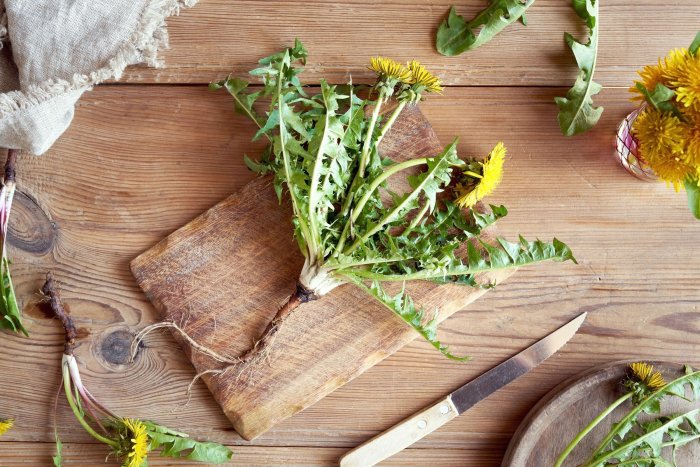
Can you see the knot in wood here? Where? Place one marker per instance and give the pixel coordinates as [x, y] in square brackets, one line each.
[30, 229]
[115, 347]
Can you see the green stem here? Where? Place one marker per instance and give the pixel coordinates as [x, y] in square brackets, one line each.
[685, 441]
[420, 275]
[76, 411]
[389, 123]
[429, 274]
[305, 233]
[389, 217]
[245, 109]
[562, 457]
[633, 414]
[342, 267]
[349, 197]
[362, 164]
[416, 220]
[341, 243]
[326, 179]
[313, 189]
[370, 132]
[357, 210]
[658, 461]
[626, 447]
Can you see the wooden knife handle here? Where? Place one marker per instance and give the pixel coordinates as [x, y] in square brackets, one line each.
[401, 436]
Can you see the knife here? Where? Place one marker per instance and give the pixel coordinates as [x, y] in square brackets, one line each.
[417, 426]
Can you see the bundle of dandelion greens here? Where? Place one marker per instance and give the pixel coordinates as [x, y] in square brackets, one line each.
[638, 443]
[323, 154]
[129, 439]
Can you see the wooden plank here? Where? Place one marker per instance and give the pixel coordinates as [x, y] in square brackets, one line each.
[138, 162]
[223, 276]
[219, 37]
[84, 454]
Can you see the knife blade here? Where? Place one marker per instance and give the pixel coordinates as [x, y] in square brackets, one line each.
[431, 418]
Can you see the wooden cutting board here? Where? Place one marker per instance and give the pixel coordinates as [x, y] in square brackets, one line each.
[223, 276]
[561, 414]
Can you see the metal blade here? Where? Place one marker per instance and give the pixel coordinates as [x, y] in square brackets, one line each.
[513, 368]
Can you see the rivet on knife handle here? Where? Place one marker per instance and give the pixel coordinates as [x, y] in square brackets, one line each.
[401, 436]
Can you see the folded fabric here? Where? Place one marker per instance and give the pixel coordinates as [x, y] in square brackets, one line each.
[54, 50]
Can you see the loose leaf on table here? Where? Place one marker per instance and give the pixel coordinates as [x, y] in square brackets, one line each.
[58, 458]
[456, 35]
[576, 111]
[179, 445]
[10, 316]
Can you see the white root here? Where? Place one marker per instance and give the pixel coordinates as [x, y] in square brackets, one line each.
[194, 344]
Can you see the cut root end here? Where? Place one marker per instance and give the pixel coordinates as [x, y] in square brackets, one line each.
[50, 292]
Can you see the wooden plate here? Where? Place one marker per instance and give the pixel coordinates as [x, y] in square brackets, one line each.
[562, 413]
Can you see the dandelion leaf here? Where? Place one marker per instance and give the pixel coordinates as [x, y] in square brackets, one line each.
[10, 315]
[577, 113]
[456, 35]
[179, 445]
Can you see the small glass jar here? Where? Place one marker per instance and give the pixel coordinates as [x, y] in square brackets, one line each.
[627, 149]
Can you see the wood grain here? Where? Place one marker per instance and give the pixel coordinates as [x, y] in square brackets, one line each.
[89, 455]
[140, 161]
[220, 37]
[560, 415]
[223, 276]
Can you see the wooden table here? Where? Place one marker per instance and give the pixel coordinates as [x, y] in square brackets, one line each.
[147, 154]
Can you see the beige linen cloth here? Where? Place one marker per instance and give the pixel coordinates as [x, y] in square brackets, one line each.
[54, 50]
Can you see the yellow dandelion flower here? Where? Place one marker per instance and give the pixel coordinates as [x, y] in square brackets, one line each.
[688, 88]
[691, 129]
[387, 68]
[650, 75]
[662, 144]
[659, 134]
[5, 425]
[673, 170]
[488, 180]
[683, 73]
[423, 78]
[642, 381]
[674, 64]
[138, 448]
[644, 373]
